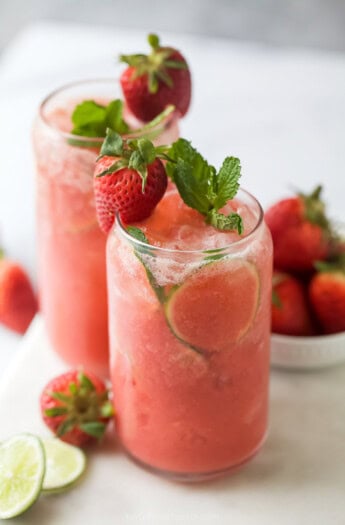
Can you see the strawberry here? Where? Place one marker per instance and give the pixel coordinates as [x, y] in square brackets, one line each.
[130, 180]
[290, 310]
[327, 295]
[76, 407]
[18, 303]
[300, 230]
[151, 82]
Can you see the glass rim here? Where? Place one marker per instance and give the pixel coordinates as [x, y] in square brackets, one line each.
[214, 251]
[95, 140]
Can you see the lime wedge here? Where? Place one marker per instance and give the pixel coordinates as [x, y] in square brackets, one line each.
[22, 467]
[64, 465]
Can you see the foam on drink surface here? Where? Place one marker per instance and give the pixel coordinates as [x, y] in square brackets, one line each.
[175, 226]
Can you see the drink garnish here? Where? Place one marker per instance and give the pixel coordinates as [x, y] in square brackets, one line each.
[202, 187]
[153, 81]
[92, 120]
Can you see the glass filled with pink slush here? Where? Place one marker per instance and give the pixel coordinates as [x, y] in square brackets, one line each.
[71, 247]
[189, 317]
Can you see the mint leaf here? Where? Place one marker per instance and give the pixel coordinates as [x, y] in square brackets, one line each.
[191, 174]
[231, 222]
[227, 181]
[91, 119]
[88, 112]
[201, 187]
[114, 120]
[139, 235]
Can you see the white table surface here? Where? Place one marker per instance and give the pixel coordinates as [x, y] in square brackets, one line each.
[297, 479]
[283, 113]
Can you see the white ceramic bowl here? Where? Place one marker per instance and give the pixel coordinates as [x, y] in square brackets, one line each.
[307, 352]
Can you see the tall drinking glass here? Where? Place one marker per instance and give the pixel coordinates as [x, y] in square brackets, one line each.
[71, 247]
[189, 320]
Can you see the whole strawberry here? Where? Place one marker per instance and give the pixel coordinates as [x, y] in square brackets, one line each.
[290, 310]
[130, 180]
[18, 303]
[327, 295]
[300, 230]
[76, 407]
[151, 82]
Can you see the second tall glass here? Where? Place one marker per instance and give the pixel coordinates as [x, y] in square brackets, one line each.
[71, 247]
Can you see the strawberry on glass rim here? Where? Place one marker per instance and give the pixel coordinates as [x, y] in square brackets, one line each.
[151, 82]
[130, 179]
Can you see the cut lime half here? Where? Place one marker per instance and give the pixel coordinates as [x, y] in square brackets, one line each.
[22, 467]
[64, 465]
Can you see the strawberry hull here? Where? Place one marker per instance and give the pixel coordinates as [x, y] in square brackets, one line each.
[71, 246]
[190, 412]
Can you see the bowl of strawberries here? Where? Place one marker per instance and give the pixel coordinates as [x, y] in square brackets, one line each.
[308, 295]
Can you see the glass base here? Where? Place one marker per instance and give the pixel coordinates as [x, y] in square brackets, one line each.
[196, 477]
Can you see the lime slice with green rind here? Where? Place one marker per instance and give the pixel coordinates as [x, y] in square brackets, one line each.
[216, 306]
[22, 467]
[64, 465]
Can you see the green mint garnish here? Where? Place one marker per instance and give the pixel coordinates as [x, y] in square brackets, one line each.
[92, 120]
[201, 187]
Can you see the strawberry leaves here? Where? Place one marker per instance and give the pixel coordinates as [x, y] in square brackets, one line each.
[136, 154]
[155, 65]
[201, 187]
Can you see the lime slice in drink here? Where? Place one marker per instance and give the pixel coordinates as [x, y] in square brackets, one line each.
[22, 467]
[216, 305]
[64, 465]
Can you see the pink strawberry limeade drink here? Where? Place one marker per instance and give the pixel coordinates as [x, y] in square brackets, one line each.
[189, 338]
[71, 247]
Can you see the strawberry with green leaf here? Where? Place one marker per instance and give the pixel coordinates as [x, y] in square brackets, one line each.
[76, 407]
[151, 82]
[301, 231]
[130, 179]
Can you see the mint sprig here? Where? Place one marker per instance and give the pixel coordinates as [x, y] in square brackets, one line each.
[91, 119]
[202, 187]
